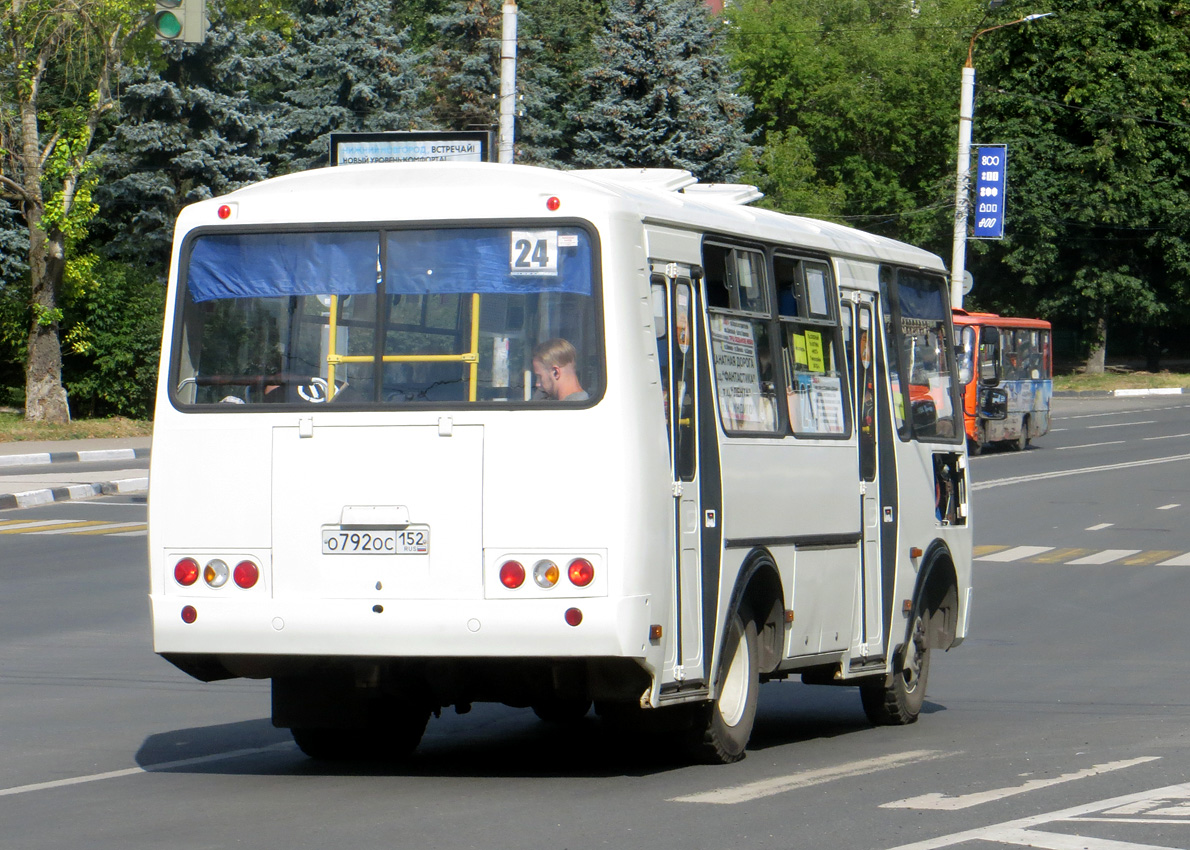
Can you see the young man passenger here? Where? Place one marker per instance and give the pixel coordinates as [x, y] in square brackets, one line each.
[555, 367]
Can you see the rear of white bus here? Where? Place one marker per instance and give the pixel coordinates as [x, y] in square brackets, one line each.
[357, 489]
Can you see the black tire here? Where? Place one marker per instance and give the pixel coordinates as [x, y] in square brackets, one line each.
[897, 700]
[974, 447]
[1022, 440]
[562, 710]
[391, 736]
[723, 727]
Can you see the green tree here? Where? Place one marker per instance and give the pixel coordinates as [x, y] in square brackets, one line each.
[188, 130]
[662, 94]
[1093, 106]
[863, 96]
[344, 69]
[465, 68]
[60, 59]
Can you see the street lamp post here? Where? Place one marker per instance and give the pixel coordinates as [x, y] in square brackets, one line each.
[958, 261]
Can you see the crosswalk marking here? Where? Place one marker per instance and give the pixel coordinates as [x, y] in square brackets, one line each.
[1059, 556]
[123, 528]
[64, 526]
[1016, 553]
[1105, 556]
[1076, 557]
[49, 527]
[1150, 557]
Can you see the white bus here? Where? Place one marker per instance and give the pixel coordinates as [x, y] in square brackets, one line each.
[746, 462]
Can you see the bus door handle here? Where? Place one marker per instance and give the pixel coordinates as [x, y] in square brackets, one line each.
[677, 489]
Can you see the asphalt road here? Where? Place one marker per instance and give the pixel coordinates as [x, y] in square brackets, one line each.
[1061, 722]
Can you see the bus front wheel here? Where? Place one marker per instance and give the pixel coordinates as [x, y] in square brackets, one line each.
[897, 701]
[725, 725]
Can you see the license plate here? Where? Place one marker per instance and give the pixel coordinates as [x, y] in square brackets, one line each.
[414, 540]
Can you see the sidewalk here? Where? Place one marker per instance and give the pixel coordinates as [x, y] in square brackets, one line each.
[20, 487]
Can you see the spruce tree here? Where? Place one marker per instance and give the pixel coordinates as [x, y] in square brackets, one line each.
[189, 130]
[345, 69]
[662, 94]
[466, 72]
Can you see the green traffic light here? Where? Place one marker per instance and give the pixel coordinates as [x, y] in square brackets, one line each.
[167, 25]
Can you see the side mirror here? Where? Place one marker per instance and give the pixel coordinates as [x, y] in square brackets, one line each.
[925, 417]
[993, 404]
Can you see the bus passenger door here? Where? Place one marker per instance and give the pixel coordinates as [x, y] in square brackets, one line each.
[860, 331]
[677, 356]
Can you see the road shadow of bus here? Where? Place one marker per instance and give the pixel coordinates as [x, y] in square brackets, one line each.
[498, 741]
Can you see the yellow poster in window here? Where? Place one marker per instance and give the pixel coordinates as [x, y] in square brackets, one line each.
[814, 357]
[799, 349]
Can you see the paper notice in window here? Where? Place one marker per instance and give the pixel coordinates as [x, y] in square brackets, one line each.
[814, 358]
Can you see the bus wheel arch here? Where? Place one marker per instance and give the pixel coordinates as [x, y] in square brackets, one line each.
[897, 699]
[753, 641]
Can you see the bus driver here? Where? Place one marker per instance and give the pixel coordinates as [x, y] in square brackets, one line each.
[554, 365]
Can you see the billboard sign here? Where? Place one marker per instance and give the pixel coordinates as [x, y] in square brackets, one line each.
[990, 184]
[413, 146]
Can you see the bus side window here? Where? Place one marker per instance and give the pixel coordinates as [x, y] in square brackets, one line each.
[715, 258]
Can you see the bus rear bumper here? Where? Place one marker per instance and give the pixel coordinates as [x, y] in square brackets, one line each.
[417, 628]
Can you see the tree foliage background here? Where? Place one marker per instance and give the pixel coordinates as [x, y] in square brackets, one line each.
[845, 109]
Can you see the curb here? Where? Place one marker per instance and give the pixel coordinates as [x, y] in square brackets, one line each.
[73, 492]
[93, 456]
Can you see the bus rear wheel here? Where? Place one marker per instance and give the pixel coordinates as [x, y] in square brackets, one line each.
[897, 701]
[1022, 441]
[724, 726]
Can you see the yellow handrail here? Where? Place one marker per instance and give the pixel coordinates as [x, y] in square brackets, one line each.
[471, 358]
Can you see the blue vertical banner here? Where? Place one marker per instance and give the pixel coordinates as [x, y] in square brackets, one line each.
[991, 181]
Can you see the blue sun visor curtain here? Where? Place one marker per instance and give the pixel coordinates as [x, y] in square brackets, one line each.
[271, 265]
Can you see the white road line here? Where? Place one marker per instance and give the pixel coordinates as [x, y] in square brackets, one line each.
[1016, 553]
[1166, 437]
[1043, 476]
[1101, 526]
[133, 771]
[941, 802]
[1059, 841]
[1090, 445]
[1169, 507]
[1104, 557]
[805, 779]
[1179, 561]
[1012, 828]
[1123, 424]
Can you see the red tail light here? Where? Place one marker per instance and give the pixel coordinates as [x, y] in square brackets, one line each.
[573, 616]
[246, 574]
[512, 574]
[186, 572]
[189, 614]
[581, 572]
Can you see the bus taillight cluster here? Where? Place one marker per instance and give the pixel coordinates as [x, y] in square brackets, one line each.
[546, 573]
[216, 572]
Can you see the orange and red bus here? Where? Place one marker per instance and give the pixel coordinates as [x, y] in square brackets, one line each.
[1006, 378]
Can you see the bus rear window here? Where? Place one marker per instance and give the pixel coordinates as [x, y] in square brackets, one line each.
[397, 317]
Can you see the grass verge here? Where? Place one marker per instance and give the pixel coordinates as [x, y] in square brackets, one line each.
[13, 427]
[1139, 380]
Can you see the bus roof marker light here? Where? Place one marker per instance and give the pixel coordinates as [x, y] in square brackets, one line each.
[553, 203]
[225, 211]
